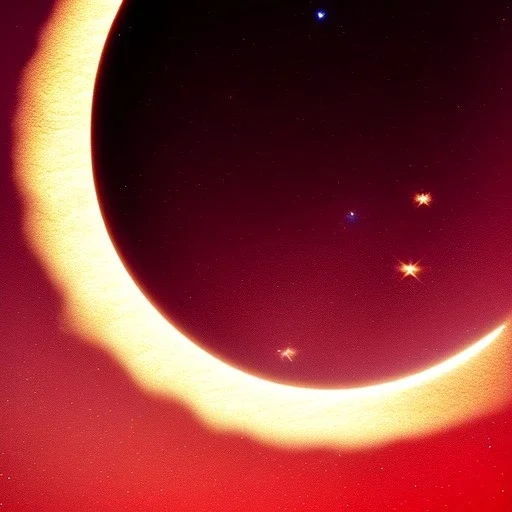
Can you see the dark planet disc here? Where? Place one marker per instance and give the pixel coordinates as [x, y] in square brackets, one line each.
[256, 165]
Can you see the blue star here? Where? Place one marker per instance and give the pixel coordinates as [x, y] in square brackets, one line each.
[351, 216]
[320, 15]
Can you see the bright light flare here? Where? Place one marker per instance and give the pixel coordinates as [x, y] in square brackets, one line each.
[410, 269]
[100, 301]
[423, 199]
[288, 353]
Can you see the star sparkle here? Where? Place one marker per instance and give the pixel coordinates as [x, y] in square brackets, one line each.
[351, 216]
[287, 353]
[410, 270]
[423, 199]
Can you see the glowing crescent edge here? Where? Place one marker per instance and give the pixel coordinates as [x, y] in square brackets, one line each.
[64, 228]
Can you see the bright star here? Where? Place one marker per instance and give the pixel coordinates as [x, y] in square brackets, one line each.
[287, 353]
[423, 199]
[320, 14]
[351, 216]
[410, 269]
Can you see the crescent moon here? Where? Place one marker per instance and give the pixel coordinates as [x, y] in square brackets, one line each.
[65, 229]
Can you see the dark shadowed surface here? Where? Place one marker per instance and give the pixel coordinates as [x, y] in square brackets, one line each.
[233, 139]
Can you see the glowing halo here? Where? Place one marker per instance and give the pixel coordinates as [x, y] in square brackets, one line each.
[64, 228]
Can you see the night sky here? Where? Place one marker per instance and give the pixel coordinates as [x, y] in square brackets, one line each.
[257, 166]
[78, 434]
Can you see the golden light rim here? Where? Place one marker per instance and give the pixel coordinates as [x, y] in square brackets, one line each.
[64, 228]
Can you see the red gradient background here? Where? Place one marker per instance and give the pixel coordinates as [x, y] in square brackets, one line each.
[77, 434]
